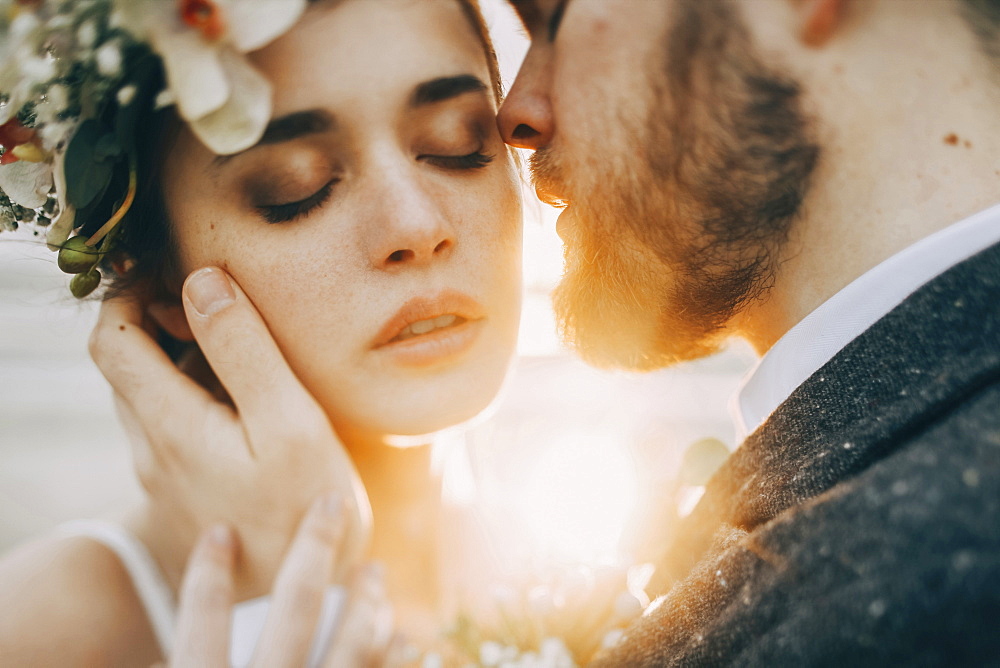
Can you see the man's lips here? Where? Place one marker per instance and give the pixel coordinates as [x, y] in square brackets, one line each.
[424, 315]
[548, 195]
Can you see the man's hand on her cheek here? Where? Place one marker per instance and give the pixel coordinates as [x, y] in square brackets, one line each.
[253, 457]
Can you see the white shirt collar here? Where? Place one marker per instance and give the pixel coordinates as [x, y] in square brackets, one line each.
[823, 333]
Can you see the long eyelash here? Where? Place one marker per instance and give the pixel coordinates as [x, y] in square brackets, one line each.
[283, 213]
[474, 160]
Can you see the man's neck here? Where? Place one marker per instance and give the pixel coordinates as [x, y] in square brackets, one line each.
[907, 149]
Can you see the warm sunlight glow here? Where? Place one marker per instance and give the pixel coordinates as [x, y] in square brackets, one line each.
[577, 496]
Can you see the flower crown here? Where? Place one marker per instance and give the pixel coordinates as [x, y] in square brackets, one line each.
[76, 77]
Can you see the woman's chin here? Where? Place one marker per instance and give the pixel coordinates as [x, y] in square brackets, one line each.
[421, 428]
[410, 406]
[414, 419]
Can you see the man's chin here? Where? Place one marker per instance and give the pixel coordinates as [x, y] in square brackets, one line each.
[614, 331]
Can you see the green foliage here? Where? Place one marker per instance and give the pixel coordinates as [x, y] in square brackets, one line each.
[75, 257]
[90, 162]
[83, 284]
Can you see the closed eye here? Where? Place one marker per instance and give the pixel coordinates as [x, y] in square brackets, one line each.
[283, 213]
[474, 160]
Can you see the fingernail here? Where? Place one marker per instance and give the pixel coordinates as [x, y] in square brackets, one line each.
[209, 291]
[221, 535]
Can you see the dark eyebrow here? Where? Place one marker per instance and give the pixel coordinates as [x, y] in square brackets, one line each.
[445, 88]
[290, 126]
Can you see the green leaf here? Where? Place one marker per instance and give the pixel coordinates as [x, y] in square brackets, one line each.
[90, 161]
[106, 148]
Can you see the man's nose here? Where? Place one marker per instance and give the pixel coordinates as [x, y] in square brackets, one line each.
[525, 118]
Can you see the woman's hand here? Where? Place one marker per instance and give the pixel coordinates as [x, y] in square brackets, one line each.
[253, 455]
[363, 636]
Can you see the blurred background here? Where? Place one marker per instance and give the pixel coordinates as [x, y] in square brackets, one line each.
[572, 455]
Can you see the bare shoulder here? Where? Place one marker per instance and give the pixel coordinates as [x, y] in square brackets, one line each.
[68, 601]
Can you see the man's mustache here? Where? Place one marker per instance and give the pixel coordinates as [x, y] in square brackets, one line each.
[548, 179]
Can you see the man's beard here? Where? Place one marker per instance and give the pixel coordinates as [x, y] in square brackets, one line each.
[671, 238]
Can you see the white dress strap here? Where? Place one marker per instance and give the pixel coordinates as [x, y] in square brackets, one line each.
[158, 600]
[147, 578]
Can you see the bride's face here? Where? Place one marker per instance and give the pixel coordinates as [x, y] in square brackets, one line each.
[377, 225]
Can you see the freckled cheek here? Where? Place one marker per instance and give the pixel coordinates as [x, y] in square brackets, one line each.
[312, 305]
[500, 209]
[494, 221]
[203, 240]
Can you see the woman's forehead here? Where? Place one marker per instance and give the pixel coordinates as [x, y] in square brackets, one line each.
[375, 51]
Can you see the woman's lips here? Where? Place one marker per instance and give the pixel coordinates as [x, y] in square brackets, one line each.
[431, 329]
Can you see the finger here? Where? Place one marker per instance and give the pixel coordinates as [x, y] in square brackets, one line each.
[366, 622]
[142, 374]
[244, 355]
[206, 601]
[144, 458]
[298, 593]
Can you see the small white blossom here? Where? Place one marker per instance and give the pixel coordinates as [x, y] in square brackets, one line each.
[126, 94]
[54, 133]
[109, 59]
[165, 98]
[555, 654]
[86, 34]
[490, 653]
[432, 661]
[54, 102]
[23, 26]
[38, 69]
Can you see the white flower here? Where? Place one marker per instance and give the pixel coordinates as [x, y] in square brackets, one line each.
[54, 103]
[18, 46]
[38, 69]
[109, 59]
[26, 183]
[54, 134]
[86, 34]
[164, 98]
[226, 101]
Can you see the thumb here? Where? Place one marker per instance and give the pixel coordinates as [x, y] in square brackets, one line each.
[242, 352]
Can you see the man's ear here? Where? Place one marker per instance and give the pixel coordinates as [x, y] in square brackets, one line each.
[820, 19]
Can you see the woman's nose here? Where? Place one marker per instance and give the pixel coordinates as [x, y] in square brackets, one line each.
[413, 232]
[525, 118]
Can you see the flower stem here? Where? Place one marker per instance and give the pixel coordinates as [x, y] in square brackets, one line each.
[120, 213]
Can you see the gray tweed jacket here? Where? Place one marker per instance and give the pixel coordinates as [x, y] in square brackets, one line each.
[860, 525]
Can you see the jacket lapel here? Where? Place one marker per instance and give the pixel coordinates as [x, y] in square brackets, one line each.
[938, 347]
